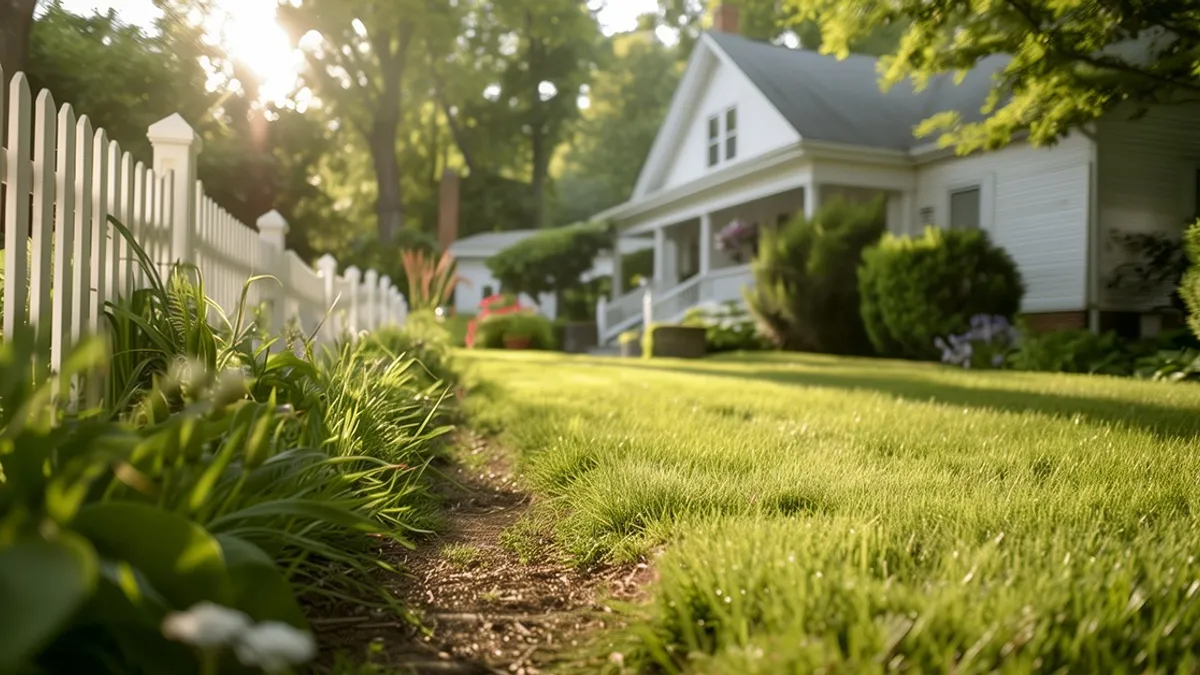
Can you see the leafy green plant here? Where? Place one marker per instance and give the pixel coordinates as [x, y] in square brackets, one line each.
[728, 327]
[917, 289]
[1189, 285]
[219, 471]
[1071, 351]
[551, 261]
[804, 278]
[422, 337]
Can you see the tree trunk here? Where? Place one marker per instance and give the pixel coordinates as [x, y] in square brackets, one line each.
[16, 19]
[389, 207]
[541, 167]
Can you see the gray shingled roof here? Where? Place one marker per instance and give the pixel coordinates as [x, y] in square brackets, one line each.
[840, 101]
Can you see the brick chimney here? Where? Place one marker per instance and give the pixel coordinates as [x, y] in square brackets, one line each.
[725, 19]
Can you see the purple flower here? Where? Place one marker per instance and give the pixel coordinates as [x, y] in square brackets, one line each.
[735, 235]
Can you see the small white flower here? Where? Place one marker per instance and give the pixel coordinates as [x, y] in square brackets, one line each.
[274, 646]
[205, 625]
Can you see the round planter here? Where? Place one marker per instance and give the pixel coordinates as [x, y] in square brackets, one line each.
[518, 342]
[679, 342]
[579, 337]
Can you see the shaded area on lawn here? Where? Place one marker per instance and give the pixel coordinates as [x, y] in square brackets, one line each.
[906, 383]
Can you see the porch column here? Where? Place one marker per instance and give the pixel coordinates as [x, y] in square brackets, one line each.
[705, 243]
[618, 275]
[900, 213]
[671, 270]
[660, 256]
[812, 198]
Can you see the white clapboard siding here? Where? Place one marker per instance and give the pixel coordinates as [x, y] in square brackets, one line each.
[62, 180]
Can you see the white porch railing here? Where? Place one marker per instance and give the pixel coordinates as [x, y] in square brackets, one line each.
[671, 303]
[62, 261]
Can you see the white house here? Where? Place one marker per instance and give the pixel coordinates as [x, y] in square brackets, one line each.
[758, 132]
[472, 254]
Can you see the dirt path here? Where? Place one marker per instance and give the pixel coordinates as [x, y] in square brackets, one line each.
[485, 609]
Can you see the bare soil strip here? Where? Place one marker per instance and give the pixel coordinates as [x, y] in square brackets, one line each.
[483, 610]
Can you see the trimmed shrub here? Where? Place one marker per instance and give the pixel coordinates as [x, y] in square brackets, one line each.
[1189, 286]
[728, 327]
[496, 328]
[916, 289]
[805, 278]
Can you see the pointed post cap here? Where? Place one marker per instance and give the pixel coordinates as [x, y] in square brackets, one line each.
[272, 221]
[327, 264]
[371, 276]
[353, 273]
[174, 130]
[385, 281]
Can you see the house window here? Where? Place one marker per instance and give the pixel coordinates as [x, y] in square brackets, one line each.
[714, 140]
[488, 292]
[965, 209]
[926, 216]
[731, 133]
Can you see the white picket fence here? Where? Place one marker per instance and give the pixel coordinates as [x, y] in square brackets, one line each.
[63, 261]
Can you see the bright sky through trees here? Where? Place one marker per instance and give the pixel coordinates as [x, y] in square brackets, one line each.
[247, 29]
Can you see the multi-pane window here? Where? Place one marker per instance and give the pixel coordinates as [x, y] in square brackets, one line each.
[965, 209]
[714, 141]
[722, 137]
[731, 134]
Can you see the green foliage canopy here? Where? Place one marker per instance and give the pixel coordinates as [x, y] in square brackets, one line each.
[551, 261]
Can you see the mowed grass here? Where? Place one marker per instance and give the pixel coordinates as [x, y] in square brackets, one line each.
[856, 516]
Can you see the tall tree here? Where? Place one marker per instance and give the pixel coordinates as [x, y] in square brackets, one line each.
[1071, 61]
[360, 54]
[628, 100]
[16, 19]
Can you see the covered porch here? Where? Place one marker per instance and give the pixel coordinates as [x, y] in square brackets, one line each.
[691, 266]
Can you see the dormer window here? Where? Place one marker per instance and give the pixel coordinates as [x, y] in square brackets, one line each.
[722, 136]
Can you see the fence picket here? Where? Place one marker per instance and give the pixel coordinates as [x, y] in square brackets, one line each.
[137, 225]
[18, 184]
[127, 210]
[64, 239]
[100, 247]
[115, 206]
[41, 310]
[81, 272]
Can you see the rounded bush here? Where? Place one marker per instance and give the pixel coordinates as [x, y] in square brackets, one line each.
[916, 289]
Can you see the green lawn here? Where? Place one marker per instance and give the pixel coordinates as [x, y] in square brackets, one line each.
[866, 516]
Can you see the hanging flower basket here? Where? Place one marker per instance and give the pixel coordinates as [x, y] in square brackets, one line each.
[738, 238]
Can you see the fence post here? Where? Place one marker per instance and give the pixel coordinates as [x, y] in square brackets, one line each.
[327, 270]
[371, 280]
[601, 318]
[385, 290]
[272, 230]
[176, 146]
[353, 281]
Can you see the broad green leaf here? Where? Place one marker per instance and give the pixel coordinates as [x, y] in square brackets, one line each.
[178, 557]
[42, 584]
[259, 588]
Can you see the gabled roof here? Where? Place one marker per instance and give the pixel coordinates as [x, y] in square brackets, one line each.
[840, 101]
